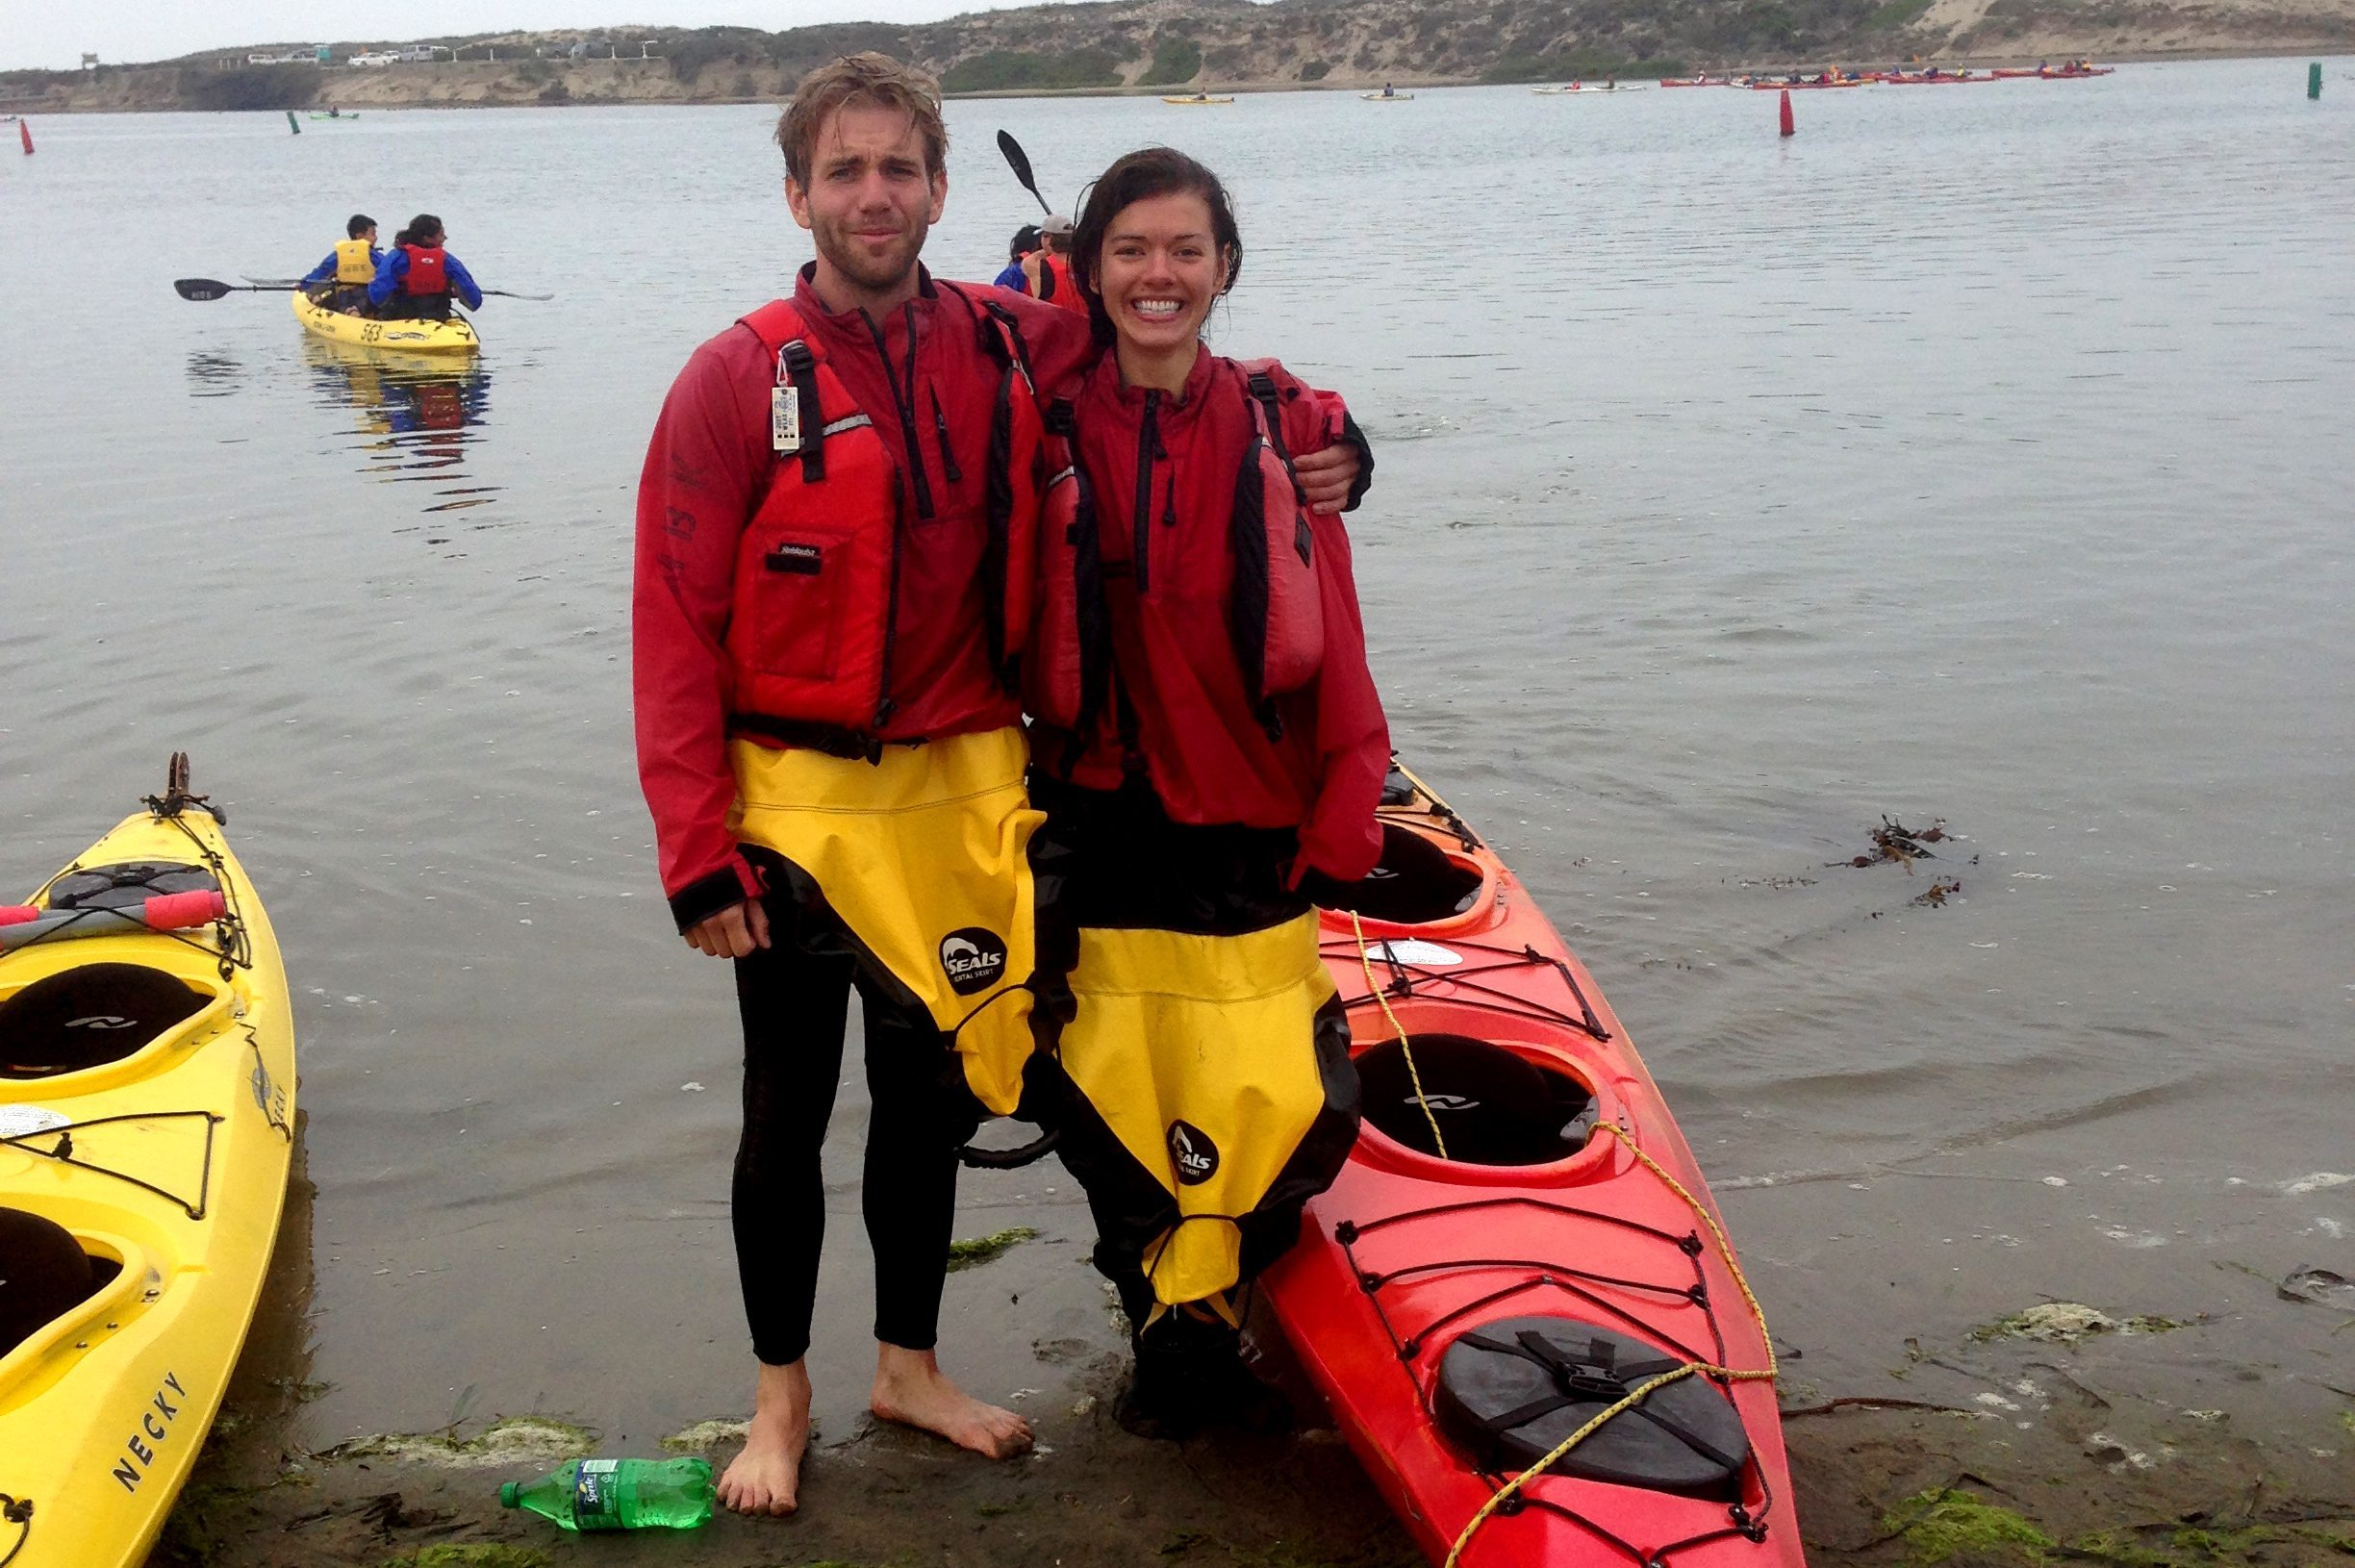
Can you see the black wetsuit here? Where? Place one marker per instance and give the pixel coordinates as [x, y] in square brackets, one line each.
[795, 999]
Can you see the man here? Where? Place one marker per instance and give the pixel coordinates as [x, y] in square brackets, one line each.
[417, 275]
[1047, 271]
[823, 633]
[351, 266]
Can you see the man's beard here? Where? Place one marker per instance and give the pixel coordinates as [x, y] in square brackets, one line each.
[861, 266]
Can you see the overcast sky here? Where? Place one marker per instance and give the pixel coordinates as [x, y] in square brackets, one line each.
[47, 34]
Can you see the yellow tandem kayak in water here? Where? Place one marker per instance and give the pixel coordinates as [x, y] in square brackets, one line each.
[147, 1122]
[455, 336]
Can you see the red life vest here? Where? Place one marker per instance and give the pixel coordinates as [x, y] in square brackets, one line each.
[1274, 614]
[1056, 284]
[817, 578]
[426, 275]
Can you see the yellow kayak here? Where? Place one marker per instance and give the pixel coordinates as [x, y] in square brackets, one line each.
[455, 336]
[1197, 98]
[147, 1115]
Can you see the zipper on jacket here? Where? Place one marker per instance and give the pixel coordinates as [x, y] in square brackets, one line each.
[903, 398]
[884, 705]
[1148, 442]
[940, 433]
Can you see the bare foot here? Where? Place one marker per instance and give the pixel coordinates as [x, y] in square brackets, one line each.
[765, 1478]
[911, 1389]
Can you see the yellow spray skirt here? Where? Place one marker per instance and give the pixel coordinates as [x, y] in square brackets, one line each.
[923, 855]
[1199, 1054]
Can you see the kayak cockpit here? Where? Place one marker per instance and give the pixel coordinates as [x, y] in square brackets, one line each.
[1492, 1105]
[91, 1016]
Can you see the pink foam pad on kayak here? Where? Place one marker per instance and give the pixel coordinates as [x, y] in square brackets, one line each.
[173, 911]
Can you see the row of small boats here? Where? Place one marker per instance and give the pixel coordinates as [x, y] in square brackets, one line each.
[1930, 78]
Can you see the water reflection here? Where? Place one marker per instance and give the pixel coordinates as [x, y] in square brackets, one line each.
[413, 413]
[213, 374]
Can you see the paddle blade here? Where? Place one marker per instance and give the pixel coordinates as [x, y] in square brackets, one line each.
[202, 289]
[1020, 163]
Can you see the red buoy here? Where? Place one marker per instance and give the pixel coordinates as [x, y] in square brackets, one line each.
[24, 129]
[1790, 126]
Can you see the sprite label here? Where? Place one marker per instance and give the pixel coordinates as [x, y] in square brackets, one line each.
[596, 1503]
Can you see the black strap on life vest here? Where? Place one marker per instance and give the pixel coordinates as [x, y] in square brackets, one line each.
[797, 364]
[829, 740]
[1002, 341]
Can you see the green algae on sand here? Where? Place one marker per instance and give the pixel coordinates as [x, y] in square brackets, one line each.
[1941, 1525]
[517, 1440]
[980, 1250]
[485, 1555]
[2067, 1323]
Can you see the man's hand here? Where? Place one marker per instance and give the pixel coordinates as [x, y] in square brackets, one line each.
[1326, 475]
[732, 933]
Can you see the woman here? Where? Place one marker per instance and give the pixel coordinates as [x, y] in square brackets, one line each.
[1206, 736]
[417, 275]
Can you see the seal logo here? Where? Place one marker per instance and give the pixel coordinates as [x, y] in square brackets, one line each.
[1192, 1155]
[972, 959]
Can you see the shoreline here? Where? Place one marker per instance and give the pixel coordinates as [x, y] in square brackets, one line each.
[1349, 85]
[1879, 1482]
[2056, 1434]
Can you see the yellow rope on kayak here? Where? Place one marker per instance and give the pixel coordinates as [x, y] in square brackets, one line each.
[1643, 1390]
[1725, 1248]
[1415, 1075]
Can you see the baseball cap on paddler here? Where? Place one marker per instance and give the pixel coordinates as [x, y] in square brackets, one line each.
[1058, 224]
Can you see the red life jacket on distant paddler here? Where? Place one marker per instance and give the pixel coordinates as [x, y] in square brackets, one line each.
[1274, 612]
[1056, 284]
[817, 580]
[426, 274]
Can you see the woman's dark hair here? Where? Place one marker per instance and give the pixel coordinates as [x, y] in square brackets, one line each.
[359, 225]
[1140, 176]
[423, 229]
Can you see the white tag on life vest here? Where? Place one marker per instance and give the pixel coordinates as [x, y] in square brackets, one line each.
[784, 418]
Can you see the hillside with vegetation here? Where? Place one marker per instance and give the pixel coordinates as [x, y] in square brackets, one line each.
[1137, 45]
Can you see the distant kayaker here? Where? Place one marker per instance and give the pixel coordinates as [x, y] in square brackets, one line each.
[1047, 271]
[417, 275]
[1220, 744]
[351, 266]
[1010, 276]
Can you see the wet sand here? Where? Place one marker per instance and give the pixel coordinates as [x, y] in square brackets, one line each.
[2048, 1437]
[2095, 1481]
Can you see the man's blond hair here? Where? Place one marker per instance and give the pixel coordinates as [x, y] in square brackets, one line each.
[867, 79]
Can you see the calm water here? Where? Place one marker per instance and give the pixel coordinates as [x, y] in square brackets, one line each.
[1974, 456]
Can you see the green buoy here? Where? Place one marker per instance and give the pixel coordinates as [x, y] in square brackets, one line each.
[293, 125]
[2314, 79]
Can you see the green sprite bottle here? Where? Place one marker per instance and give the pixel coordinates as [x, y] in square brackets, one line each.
[617, 1494]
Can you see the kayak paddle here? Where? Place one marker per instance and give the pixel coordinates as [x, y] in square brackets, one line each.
[210, 289]
[201, 288]
[296, 283]
[1020, 163]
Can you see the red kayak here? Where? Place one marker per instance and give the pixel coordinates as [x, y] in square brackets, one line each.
[1540, 1345]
